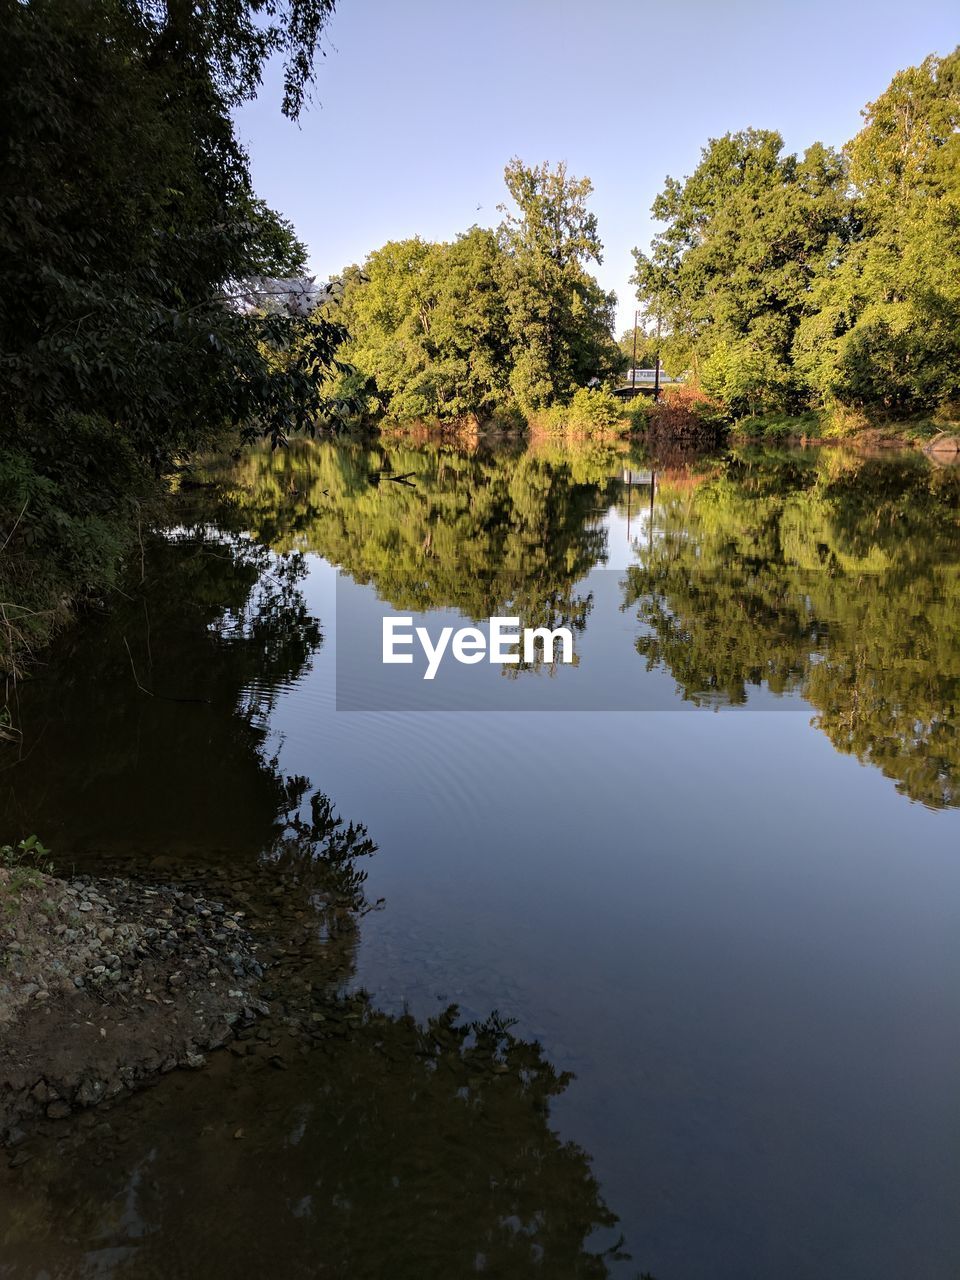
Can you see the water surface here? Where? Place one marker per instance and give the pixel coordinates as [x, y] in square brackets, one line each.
[728, 938]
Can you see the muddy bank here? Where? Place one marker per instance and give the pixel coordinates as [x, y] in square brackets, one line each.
[107, 983]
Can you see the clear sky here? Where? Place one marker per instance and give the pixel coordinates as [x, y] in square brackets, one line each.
[418, 105]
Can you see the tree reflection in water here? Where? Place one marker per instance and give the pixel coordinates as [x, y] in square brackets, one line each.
[824, 573]
[834, 576]
[385, 1147]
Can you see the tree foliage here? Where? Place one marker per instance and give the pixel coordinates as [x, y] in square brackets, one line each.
[645, 346]
[788, 282]
[127, 218]
[493, 322]
[886, 326]
[560, 320]
[746, 234]
[428, 326]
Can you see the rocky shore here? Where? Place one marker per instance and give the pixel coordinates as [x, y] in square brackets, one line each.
[107, 983]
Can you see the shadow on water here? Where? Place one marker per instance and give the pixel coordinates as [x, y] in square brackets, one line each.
[384, 1147]
[147, 729]
[331, 1138]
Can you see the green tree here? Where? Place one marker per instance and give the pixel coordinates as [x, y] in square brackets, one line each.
[746, 235]
[885, 329]
[427, 326]
[490, 323]
[127, 219]
[646, 348]
[560, 320]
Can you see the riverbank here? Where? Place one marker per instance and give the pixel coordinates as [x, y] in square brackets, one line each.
[108, 983]
[815, 428]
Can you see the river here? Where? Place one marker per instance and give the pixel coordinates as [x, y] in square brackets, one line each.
[659, 968]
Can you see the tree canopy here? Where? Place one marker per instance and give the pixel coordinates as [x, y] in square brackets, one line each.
[127, 219]
[885, 327]
[730, 275]
[787, 282]
[494, 321]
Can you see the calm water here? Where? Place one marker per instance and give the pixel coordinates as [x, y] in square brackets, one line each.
[729, 939]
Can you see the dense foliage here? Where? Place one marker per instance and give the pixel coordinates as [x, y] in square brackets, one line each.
[127, 221]
[496, 321]
[786, 282]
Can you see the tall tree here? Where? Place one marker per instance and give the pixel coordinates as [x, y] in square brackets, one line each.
[494, 321]
[127, 217]
[746, 235]
[428, 328]
[560, 320]
[886, 327]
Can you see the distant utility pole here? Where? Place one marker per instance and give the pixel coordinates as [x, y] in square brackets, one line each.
[633, 371]
[656, 376]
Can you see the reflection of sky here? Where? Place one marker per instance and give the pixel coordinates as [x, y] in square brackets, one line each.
[744, 944]
[622, 533]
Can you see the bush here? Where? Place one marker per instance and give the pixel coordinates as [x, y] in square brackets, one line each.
[641, 410]
[26, 864]
[592, 408]
[69, 505]
[780, 426]
[684, 409]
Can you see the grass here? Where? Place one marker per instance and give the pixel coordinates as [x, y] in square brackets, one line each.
[26, 864]
[780, 426]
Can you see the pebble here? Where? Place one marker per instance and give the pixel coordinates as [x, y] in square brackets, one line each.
[97, 941]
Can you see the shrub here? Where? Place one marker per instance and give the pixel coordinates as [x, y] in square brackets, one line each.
[641, 410]
[684, 409]
[69, 499]
[780, 426]
[592, 408]
[26, 863]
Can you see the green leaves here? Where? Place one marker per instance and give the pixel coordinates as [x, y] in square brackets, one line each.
[785, 281]
[127, 217]
[746, 233]
[559, 319]
[885, 331]
[493, 321]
